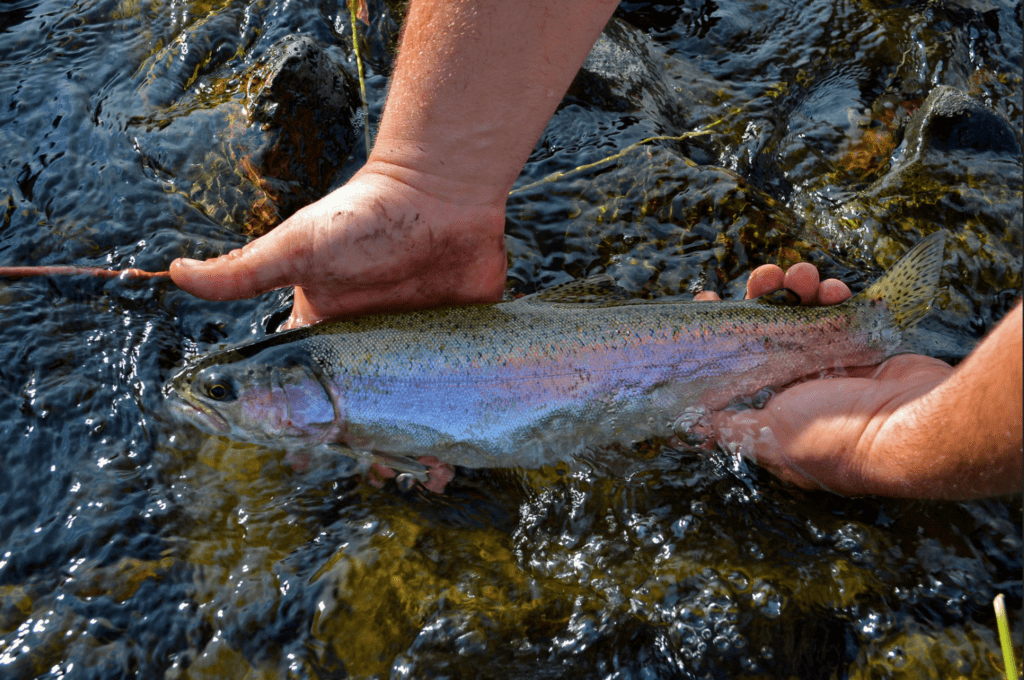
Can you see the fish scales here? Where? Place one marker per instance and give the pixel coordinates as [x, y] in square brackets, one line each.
[537, 380]
[587, 381]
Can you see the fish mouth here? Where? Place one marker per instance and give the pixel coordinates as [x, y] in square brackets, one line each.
[198, 414]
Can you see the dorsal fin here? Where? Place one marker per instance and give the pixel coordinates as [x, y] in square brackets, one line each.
[598, 290]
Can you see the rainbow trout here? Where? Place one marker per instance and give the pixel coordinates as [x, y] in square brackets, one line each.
[540, 379]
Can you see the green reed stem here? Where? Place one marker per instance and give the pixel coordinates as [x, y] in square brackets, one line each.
[359, 64]
[1004, 637]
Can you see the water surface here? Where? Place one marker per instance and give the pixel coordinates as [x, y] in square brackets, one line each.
[133, 547]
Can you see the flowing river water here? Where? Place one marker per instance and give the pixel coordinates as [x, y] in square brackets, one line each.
[136, 131]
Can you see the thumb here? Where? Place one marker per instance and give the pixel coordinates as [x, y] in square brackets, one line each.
[258, 267]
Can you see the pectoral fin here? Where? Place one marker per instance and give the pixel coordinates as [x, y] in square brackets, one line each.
[401, 464]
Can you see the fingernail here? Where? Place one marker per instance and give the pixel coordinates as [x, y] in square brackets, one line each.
[188, 263]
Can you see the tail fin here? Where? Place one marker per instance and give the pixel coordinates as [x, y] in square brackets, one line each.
[909, 286]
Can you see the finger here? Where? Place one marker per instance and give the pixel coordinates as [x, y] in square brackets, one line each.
[763, 280]
[752, 434]
[260, 266]
[802, 278]
[378, 474]
[707, 296]
[912, 367]
[767, 439]
[303, 312]
[832, 292]
[439, 474]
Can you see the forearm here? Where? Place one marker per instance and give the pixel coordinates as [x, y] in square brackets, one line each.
[962, 439]
[474, 85]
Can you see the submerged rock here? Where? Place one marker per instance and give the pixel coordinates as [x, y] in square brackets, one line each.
[299, 85]
[618, 70]
[950, 120]
[249, 149]
[628, 72]
[959, 166]
[305, 103]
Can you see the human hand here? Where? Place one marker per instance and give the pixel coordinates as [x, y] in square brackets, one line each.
[831, 433]
[802, 278]
[421, 225]
[388, 240]
[838, 433]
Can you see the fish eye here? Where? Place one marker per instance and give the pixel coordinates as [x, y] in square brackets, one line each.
[219, 387]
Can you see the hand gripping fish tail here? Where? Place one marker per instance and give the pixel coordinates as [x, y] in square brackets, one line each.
[579, 372]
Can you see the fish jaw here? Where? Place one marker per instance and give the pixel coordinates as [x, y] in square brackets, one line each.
[196, 413]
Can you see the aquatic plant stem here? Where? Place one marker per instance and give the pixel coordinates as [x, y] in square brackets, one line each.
[67, 270]
[1009, 663]
[359, 65]
[589, 166]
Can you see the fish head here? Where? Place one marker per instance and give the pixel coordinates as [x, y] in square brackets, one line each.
[275, 397]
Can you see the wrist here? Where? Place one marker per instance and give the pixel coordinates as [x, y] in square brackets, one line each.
[473, 88]
[446, 172]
